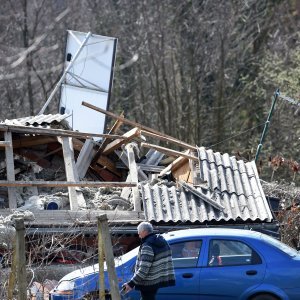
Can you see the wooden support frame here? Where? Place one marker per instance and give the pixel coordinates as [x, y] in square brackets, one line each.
[169, 151]
[85, 158]
[29, 141]
[105, 141]
[105, 238]
[202, 196]
[66, 183]
[10, 170]
[76, 198]
[168, 139]
[134, 124]
[127, 137]
[134, 177]
[102, 160]
[64, 218]
[177, 163]
[4, 144]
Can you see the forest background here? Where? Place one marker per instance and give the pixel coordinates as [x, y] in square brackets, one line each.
[202, 71]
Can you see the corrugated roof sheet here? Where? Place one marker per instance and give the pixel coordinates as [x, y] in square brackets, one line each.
[36, 120]
[231, 184]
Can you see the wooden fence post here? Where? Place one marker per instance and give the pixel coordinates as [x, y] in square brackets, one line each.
[10, 170]
[101, 263]
[12, 274]
[109, 257]
[21, 259]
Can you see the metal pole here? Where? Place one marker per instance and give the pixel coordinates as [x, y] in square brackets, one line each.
[266, 125]
[65, 73]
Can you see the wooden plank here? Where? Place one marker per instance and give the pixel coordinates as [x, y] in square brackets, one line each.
[169, 151]
[179, 161]
[134, 177]
[102, 160]
[202, 196]
[106, 141]
[127, 137]
[104, 173]
[66, 183]
[76, 198]
[85, 158]
[68, 218]
[10, 170]
[135, 124]
[33, 141]
[168, 139]
[126, 191]
[122, 155]
[105, 237]
[54, 132]
[4, 144]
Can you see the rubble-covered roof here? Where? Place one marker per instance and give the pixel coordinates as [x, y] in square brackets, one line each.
[232, 185]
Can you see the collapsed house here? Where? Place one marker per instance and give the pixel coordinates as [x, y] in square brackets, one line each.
[130, 172]
[65, 177]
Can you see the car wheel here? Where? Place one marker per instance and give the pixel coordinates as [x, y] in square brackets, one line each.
[264, 297]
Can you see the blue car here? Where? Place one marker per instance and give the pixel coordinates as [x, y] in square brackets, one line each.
[210, 263]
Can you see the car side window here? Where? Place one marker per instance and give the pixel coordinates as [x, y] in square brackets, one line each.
[185, 254]
[231, 253]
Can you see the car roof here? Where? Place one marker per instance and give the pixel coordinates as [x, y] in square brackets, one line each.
[224, 232]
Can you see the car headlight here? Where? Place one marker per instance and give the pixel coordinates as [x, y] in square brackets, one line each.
[65, 288]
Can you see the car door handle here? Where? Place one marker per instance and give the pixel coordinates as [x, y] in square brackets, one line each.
[251, 272]
[187, 275]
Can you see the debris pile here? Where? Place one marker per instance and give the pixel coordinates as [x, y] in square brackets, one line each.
[54, 169]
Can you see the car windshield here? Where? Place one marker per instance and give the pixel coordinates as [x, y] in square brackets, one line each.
[281, 246]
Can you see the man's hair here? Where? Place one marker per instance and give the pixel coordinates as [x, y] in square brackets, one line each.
[145, 226]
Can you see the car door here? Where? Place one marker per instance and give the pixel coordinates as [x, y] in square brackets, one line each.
[187, 271]
[230, 267]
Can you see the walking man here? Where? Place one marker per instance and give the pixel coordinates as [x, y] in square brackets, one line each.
[154, 267]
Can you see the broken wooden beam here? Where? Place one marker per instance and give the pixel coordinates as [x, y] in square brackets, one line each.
[39, 183]
[4, 144]
[177, 163]
[135, 124]
[76, 198]
[84, 158]
[30, 141]
[127, 137]
[102, 160]
[66, 218]
[169, 151]
[168, 139]
[106, 141]
[202, 196]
